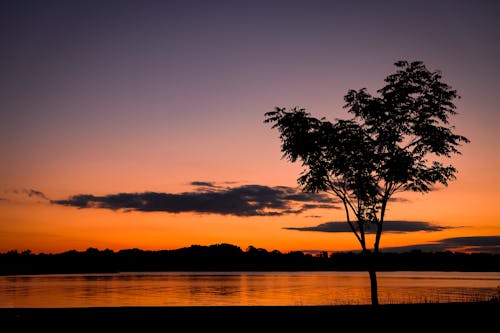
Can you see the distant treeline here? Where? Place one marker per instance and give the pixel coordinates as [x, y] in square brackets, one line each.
[227, 257]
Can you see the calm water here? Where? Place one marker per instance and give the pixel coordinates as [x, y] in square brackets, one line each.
[242, 288]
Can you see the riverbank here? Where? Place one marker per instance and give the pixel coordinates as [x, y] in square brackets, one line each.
[227, 257]
[476, 315]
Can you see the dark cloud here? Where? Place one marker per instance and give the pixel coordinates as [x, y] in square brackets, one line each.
[203, 184]
[490, 244]
[398, 200]
[36, 194]
[247, 200]
[294, 195]
[481, 249]
[473, 241]
[389, 226]
[432, 247]
[16, 194]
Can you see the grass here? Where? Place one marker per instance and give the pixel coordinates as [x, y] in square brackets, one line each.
[397, 317]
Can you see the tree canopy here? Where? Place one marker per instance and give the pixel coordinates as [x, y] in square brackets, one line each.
[395, 141]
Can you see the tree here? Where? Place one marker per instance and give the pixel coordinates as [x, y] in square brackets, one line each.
[394, 142]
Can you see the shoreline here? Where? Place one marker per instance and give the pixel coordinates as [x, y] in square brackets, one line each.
[242, 271]
[233, 318]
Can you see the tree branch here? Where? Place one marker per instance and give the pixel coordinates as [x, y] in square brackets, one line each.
[362, 243]
[343, 195]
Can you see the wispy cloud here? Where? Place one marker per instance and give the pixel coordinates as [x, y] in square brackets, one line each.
[203, 184]
[21, 194]
[389, 226]
[246, 200]
[35, 194]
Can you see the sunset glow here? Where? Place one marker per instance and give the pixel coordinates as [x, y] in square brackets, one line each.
[166, 99]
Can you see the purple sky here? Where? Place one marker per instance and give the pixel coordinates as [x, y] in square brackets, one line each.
[104, 97]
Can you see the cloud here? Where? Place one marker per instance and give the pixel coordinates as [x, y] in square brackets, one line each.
[489, 244]
[34, 193]
[472, 241]
[389, 226]
[481, 249]
[398, 200]
[203, 184]
[246, 200]
[23, 194]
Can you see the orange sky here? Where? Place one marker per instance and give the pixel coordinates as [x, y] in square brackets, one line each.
[103, 101]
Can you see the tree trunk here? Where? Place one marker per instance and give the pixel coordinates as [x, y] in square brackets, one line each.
[371, 265]
[373, 286]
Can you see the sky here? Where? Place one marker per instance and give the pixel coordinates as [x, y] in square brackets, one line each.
[139, 124]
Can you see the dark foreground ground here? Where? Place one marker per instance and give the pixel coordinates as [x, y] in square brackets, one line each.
[476, 317]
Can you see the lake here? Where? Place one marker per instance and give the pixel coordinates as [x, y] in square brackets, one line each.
[242, 288]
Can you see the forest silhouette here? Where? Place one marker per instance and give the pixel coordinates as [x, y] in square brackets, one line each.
[227, 257]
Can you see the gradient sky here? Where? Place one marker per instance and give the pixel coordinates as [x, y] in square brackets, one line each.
[109, 97]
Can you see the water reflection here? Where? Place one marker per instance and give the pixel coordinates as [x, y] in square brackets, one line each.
[242, 288]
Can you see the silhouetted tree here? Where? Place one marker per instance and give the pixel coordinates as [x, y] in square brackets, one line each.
[396, 141]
